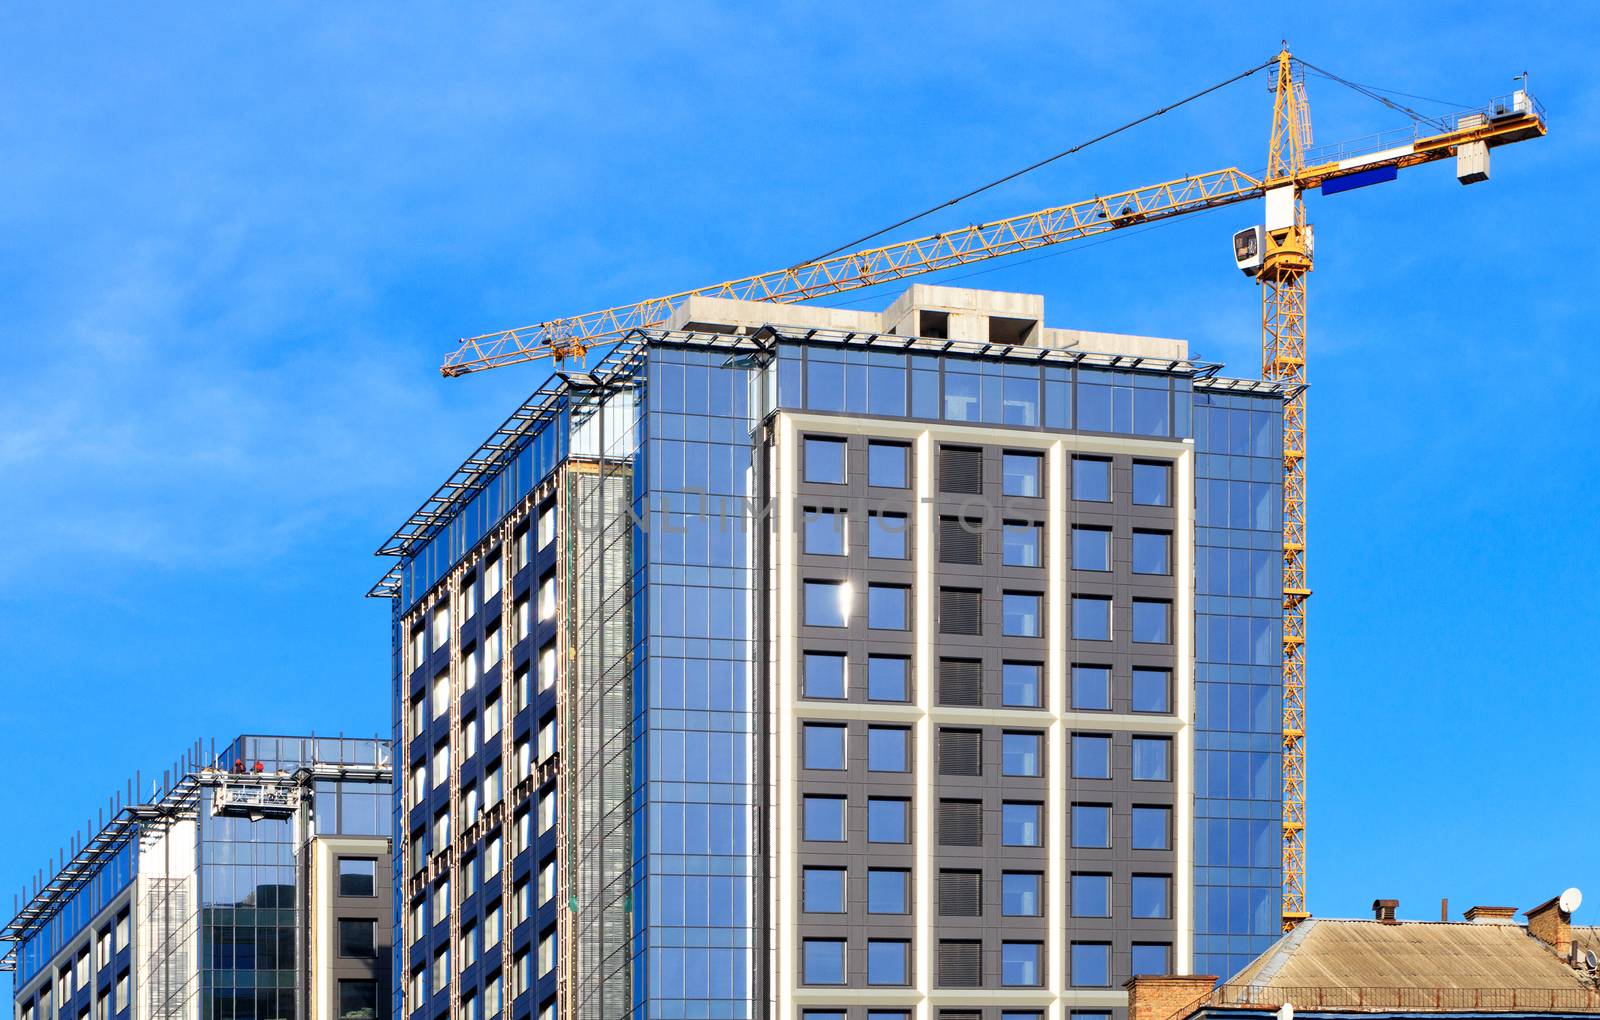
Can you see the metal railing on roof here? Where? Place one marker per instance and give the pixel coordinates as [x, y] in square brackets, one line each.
[1573, 997]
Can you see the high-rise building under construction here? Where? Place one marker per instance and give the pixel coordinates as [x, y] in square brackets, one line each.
[798, 662]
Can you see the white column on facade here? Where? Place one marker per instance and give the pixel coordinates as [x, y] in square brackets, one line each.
[1183, 682]
[924, 687]
[1056, 702]
[788, 890]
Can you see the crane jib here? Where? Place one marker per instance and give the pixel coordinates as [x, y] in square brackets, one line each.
[1350, 182]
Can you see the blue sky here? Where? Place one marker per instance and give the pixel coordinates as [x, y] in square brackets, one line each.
[235, 242]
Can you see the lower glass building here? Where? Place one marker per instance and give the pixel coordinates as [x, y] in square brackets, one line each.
[807, 663]
[253, 884]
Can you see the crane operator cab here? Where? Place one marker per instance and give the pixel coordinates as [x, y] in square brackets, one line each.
[1248, 246]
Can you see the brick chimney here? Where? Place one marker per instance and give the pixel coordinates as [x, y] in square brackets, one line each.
[1551, 925]
[1490, 915]
[1167, 996]
[1383, 910]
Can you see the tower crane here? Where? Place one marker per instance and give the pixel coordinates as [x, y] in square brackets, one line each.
[1277, 254]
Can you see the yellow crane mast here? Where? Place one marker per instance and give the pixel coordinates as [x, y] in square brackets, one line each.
[1278, 254]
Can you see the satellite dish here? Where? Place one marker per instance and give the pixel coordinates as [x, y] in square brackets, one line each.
[1570, 901]
[1591, 961]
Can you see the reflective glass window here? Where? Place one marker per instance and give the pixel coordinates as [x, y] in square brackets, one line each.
[1152, 828]
[822, 675]
[824, 532]
[827, 603]
[888, 606]
[1148, 896]
[888, 962]
[1022, 544]
[888, 820]
[1019, 823]
[1152, 689]
[1020, 684]
[1151, 483]
[1019, 754]
[823, 745]
[1091, 964]
[1091, 548]
[1152, 757]
[888, 891]
[825, 460]
[887, 465]
[1091, 618]
[1091, 756]
[887, 748]
[887, 536]
[822, 890]
[1022, 474]
[1019, 964]
[1150, 958]
[1091, 479]
[1091, 826]
[1152, 622]
[1020, 893]
[824, 819]
[1091, 687]
[1091, 895]
[888, 678]
[1152, 552]
[1020, 614]
[822, 961]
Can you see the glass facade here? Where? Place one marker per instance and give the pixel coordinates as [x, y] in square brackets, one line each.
[1238, 679]
[697, 503]
[693, 945]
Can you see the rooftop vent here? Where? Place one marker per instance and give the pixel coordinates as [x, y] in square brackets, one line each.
[1383, 910]
[1490, 915]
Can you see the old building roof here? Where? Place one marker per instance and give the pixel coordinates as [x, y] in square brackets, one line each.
[1413, 955]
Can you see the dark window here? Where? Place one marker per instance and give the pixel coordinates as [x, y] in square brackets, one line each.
[887, 465]
[1152, 689]
[1022, 474]
[960, 611]
[960, 541]
[1091, 688]
[1152, 552]
[825, 460]
[1091, 895]
[823, 675]
[1151, 483]
[356, 938]
[358, 876]
[888, 678]
[960, 894]
[1091, 479]
[961, 470]
[960, 823]
[1091, 756]
[1152, 828]
[960, 682]
[960, 752]
[822, 890]
[358, 999]
[886, 536]
[960, 963]
[1091, 548]
[1020, 684]
[888, 820]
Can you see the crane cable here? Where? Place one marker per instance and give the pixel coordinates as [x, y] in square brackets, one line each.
[1152, 115]
[1372, 93]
